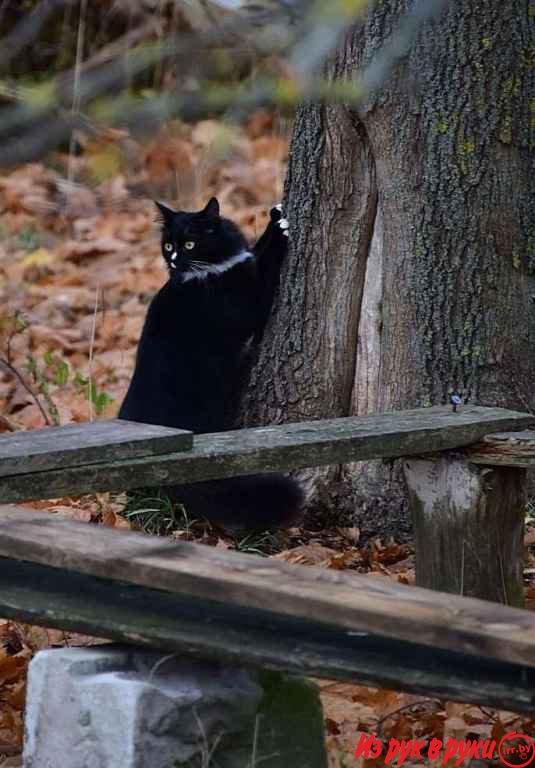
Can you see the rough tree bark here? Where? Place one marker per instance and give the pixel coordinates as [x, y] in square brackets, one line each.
[410, 271]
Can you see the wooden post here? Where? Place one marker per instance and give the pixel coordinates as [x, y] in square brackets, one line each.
[468, 526]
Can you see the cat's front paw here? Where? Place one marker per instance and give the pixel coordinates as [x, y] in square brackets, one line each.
[278, 219]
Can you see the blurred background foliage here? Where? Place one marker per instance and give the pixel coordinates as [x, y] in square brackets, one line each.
[76, 65]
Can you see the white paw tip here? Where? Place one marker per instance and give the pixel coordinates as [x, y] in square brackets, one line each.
[285, 232]
[283, 223]
[279, 207]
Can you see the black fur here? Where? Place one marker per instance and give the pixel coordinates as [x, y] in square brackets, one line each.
[191, 348]
[257, 501]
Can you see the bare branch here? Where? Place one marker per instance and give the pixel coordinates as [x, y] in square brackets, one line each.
[27, 386]
[27, 30]
[30, 129]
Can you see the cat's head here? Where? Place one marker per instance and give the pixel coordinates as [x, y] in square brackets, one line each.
[193, 243]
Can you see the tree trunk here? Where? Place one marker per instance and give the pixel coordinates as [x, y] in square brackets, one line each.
[410, 272]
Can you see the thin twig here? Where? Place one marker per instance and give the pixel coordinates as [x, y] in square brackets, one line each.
[29, 389]
[9, 343]
[461, 589]
[91, 349]
[255, 742]
[8, 424]
[27, 30]
[207, 750]
[435, 702]
[31, 130]
[76, 86]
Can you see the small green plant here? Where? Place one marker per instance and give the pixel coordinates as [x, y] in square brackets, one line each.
[258, 543]
[40, 380]
[155, 513]
[99, 398]
[29, 238]
[54, 370]
[59, 369]
[10, 328]
[49, 371]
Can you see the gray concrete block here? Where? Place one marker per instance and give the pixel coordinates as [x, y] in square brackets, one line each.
[122, 707]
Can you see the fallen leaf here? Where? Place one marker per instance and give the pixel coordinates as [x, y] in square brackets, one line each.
[351, 534]
[77, 252]
[72, 513]
[308, 554]
[38, 258]
[10, 667]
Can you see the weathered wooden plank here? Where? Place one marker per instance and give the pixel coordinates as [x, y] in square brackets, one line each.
[278, 448]
[209, 629]
[77, 444]
[348, 602]
[506, 449]
[468, 527]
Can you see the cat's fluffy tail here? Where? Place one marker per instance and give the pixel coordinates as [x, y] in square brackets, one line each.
[253, 502]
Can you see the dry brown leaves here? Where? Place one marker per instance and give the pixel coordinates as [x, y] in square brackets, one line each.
[82, 255]
[18, 643]
[353, 710]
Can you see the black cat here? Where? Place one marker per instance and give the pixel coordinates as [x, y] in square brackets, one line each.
[217, 298]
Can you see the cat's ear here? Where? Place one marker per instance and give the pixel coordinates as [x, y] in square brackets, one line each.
[166, 214]
[212, 207]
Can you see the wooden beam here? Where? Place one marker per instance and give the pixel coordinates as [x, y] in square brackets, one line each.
[352, 604]
[468, 527]
[506, 449]
[279, 448]
[224, 632]
[77, 444]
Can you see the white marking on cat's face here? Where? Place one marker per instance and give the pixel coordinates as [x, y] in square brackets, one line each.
[173, 256]
[217, 269]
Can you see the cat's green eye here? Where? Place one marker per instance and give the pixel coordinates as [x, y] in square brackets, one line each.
[189, 245]
[168, 246]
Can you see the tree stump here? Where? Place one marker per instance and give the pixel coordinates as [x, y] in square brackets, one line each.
[468, 526]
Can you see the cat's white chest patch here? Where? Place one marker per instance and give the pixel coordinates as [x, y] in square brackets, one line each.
[201, 273]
